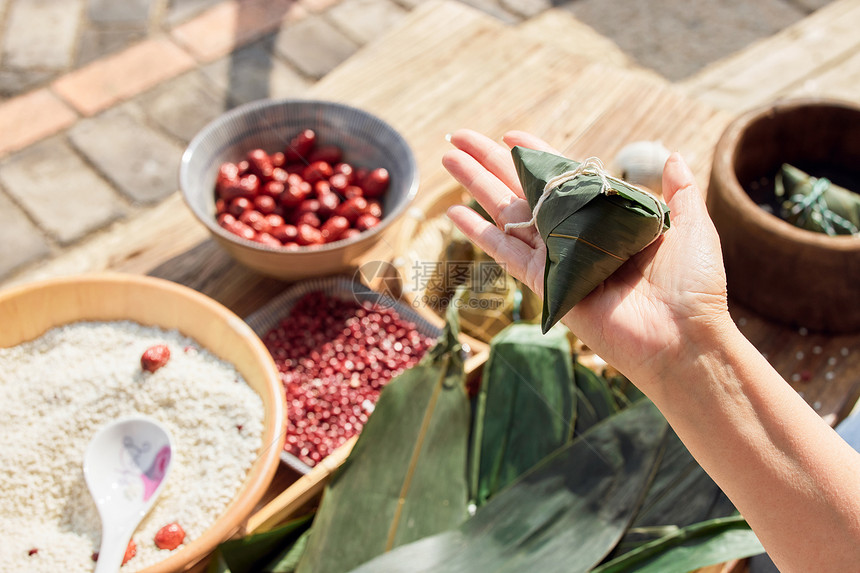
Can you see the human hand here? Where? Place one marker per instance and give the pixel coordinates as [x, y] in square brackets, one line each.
[662, 306]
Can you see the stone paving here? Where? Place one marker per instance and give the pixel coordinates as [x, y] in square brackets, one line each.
[98, 98]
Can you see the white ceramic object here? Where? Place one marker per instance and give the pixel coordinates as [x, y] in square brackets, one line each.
[126, 465]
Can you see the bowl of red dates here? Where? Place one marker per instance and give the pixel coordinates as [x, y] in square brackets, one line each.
[298, 188]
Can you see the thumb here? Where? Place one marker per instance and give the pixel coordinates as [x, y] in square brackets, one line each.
[681, 191]
[676, 176]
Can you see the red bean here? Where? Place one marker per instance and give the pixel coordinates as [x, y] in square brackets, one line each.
[333, 365]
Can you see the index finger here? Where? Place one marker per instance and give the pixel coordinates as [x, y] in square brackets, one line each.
[494, 157]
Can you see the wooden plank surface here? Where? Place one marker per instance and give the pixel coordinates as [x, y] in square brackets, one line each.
[568, 33]
[448, 66]
[817, 56]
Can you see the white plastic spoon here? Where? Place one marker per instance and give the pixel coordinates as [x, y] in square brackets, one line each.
[125, 466]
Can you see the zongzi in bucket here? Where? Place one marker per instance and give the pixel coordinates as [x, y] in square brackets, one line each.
[591, 224]
[815, 203]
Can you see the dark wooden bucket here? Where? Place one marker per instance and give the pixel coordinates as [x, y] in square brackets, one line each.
[791, 275]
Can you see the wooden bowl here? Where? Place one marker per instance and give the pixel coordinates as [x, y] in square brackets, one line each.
[27, 311]
[797, 277]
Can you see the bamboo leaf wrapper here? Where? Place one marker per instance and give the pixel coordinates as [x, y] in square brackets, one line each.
[590, 225]
[816, 204]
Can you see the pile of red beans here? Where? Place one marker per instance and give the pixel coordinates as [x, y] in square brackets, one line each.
[302, 196]
[335, 356]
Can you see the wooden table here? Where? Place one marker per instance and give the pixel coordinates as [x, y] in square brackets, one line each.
[446, 67]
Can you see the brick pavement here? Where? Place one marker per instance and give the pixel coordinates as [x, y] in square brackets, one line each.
[99, 97]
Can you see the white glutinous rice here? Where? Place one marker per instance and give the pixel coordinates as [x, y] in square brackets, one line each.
[58, 390]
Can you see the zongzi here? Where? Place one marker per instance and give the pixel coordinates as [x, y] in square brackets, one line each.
[591, 224]
[815, 203]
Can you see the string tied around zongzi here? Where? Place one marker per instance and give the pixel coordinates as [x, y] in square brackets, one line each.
[814, 206]
[592, 166]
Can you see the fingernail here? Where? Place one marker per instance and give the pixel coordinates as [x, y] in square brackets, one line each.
[682, 163]
[449, 137]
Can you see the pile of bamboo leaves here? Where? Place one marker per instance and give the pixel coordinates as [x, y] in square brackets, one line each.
[551, 467]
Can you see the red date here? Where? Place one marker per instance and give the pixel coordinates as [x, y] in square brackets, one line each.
[130, 551]
[303, 196]
[260, 164]
[300, 146]
[365, 222]
[265, 204]
[317, 171]
[376, 183]
[246, 186]
[334, 228]
[170, 536]
[330, 154]
[351, 208]
[154, 357]
[308, 235]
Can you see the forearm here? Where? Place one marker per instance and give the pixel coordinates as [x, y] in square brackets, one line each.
[791, 476]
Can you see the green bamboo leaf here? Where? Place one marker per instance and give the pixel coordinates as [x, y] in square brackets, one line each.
[681, 495]
[595, 400]
[565, 514]
[248, 554]
[288, 560]
[216, 563]
[406, 476]
[525, 407]
[699, 545]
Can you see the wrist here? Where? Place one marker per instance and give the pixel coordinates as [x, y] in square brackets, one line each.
[703, 347]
